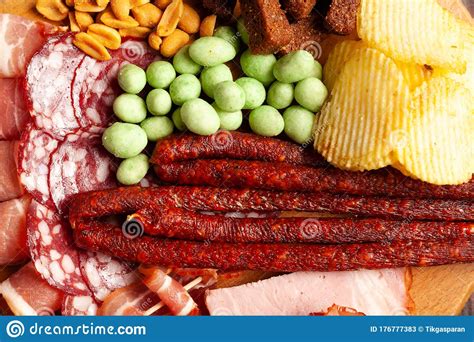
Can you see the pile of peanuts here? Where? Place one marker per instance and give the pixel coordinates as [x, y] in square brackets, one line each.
[101, 24]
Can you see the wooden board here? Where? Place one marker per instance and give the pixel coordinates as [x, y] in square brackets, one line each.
[441, 290]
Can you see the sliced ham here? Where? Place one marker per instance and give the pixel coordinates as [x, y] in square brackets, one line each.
[28, 294]
[14, 115]
[20, 38]
[10, 186]
[373, 292]
[13, 241]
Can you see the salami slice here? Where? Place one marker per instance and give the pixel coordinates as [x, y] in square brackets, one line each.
[52, 250]
[35, 152]
[104, 274]
[80, 164]
[79, 306]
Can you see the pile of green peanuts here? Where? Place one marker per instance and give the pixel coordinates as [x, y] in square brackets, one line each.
[196, 91]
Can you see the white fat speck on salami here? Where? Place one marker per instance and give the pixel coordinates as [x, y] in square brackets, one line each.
[34, 153]
[51, 247]
[104, 274]
[79, 306]
[80, 164]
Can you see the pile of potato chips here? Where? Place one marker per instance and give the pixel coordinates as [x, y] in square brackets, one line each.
[402, 95]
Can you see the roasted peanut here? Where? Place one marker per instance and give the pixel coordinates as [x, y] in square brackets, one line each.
[190, 20]
[83, 20]
[88, 6]
[108, 18]
[154, 40]
[207, 26]
[73, 23]
[105, 35]
[120, 8]
[162, 4]
[170, 19]
[136, 3]
[102, 3]
[53, 10]
[147, 15]
[69, 3]
[174, 42]
[90, 46]
[135, 32]
[237, 10]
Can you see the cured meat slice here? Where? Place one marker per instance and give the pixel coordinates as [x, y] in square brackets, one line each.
[20, 38]
[13, 246]
[15, 116]
[49, 78]
[79, 306]
[104, 274]
[10, 186]
[379, 292]
[52, 250]
[35, 151]
[336, 310]
[27, 294]
[80, 164]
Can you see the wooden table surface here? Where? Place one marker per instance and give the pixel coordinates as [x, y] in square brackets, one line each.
[440, 290]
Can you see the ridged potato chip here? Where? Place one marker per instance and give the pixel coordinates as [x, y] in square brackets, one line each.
[413, 31]
[414, 74]
[360, 125]
[337, 59]
[439, 127]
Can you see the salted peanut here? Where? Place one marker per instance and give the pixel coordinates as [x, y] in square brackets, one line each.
[162, 4]
[83, 20]
[136, 3]
[190, 20]
[135, 32]
[207, 26]
[147, 15]
[105, 35]
[69, 3]
[108, 18]
[53, 10]
[102, 3]
[120, 8]
[154, 40]
[73, 27]
[174, 42]
[90, 6]
[90, 46]
[170, 19]
[237, 11]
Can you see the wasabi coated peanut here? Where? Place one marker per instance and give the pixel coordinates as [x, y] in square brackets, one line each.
[130, 108]
[200, 117]
[311, 93]
[254, 92]
[244, 35]
[212, 76]
[178, 122]
[230, 35]
[266, 121]
[124, 140]
[211, 51]
[132, 170]
[317, 70]
[158, 102]
[183, 64]
[298, 124]
[229, 96]
[294, 67]
[280, 95]
[259, 67]
[132, 79]
[230, 121]
[160, 74]
[157, 127]
[183, 88]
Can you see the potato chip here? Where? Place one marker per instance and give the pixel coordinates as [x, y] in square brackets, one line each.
[360, 125]
[439, 127]
[413, 31]
[337, 59]
[414, 74]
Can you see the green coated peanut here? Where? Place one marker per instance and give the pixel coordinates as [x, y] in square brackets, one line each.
[124, 140]
[132, 170]
[129, 108]
[157, 127]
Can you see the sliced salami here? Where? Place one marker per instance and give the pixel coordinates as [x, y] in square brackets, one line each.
[35, 151]
[51, 247]
[80, 164]
[79, 306]
[104, 274]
